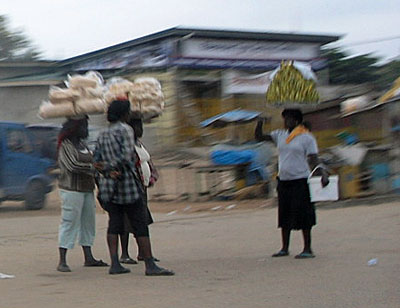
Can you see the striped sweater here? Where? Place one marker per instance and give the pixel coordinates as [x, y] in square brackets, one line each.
[76, 168]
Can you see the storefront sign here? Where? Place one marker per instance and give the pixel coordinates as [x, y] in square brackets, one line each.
[206, 54]
[316, 64]
[255, 50]
[146, 56]
[235, 82]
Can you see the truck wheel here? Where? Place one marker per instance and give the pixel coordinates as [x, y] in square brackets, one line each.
[35, 196]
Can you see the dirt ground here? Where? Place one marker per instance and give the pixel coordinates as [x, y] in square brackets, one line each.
[221, 254]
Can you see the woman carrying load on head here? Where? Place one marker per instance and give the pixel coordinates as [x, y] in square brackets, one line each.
[76, 183]
[120, 190]
[298, 155]
[148, 176]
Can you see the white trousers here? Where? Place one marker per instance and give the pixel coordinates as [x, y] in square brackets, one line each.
[78, 218]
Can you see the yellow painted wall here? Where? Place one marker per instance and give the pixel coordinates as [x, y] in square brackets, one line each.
[171, 127]
[206, 108]
[209, 107]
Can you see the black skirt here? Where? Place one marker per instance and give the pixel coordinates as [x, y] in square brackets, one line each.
[296, 211]
[147, 217]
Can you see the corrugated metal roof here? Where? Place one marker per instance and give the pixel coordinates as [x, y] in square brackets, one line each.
[207, 33]
[34, 79]
[50, 78]
[55, 77]
[39, 63]
[233, 116]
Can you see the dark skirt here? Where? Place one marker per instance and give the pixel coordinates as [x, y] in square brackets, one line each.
[136, 213]
[296, 211]
[146, 215]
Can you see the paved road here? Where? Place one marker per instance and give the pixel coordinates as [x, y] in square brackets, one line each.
[221, 259]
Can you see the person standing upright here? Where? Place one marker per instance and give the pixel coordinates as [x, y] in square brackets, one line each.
[76, 184]
[120, 190]
[298, 154]
[148, 176]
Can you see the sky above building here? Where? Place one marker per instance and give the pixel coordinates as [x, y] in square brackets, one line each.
[66, 28]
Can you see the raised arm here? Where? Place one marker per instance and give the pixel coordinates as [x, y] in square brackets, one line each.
[258, 134]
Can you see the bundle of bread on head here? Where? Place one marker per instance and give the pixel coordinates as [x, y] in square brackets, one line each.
[87, 94]
[144, 94]
[84, 95]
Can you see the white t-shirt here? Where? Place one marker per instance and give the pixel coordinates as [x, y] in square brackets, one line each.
[144, 157]
[293, 163]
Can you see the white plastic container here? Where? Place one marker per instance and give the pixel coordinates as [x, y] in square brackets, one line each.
[327, 193]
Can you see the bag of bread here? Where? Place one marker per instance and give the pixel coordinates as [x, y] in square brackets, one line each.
[90, 106]
[152, 111]
[96, 76]
[117, 87]
[91, 79]
[48, 110]
[97, 92]
[59, 96]
[147, 97]
[148, 82]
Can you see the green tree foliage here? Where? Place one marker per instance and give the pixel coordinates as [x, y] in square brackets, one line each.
[388, 73]
[14, 45]
[344, 69]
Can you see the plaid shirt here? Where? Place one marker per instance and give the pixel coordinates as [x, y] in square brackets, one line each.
[115, 148]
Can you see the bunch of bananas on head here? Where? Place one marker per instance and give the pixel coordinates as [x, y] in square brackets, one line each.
[289, 86]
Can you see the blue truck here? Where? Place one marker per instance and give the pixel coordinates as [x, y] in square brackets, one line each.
[24, 174]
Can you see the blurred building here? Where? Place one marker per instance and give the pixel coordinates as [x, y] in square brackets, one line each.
[23, 86]
[202, 72]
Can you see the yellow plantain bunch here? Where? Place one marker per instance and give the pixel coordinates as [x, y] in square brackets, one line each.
[289, 86]
[392, 92]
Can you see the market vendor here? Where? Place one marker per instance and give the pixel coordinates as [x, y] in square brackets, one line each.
[298, 155]
[120, 191]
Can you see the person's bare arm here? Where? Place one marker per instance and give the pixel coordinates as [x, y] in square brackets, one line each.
[314, 162]
[258, 133]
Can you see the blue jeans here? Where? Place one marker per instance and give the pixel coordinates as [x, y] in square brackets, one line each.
[78, 218]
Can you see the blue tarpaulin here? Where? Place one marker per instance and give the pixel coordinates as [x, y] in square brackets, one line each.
[234, 116]
[257, 155]
[222, 157]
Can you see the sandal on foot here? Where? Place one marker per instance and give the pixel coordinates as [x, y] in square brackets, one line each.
[117, 271]
[95, 263]
[159, 271]
[127, 261]
[305, 255]
[64, 268]
[281, 253]
[154, 259]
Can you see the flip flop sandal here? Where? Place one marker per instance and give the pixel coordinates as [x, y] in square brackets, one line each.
[96, 264]
[127, 261]
[122, 270]
[154, 259]
[305, 255]
[280, 253]
[160, 272]
[63, 268]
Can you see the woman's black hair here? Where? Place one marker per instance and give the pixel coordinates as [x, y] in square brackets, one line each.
[307, 124]
[136, 122]
[70, 128]
[117, 110]
[293, 113]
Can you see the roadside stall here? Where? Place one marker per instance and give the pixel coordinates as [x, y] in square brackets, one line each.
[246, 161]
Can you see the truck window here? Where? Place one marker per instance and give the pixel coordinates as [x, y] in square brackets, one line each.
[17, 141]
